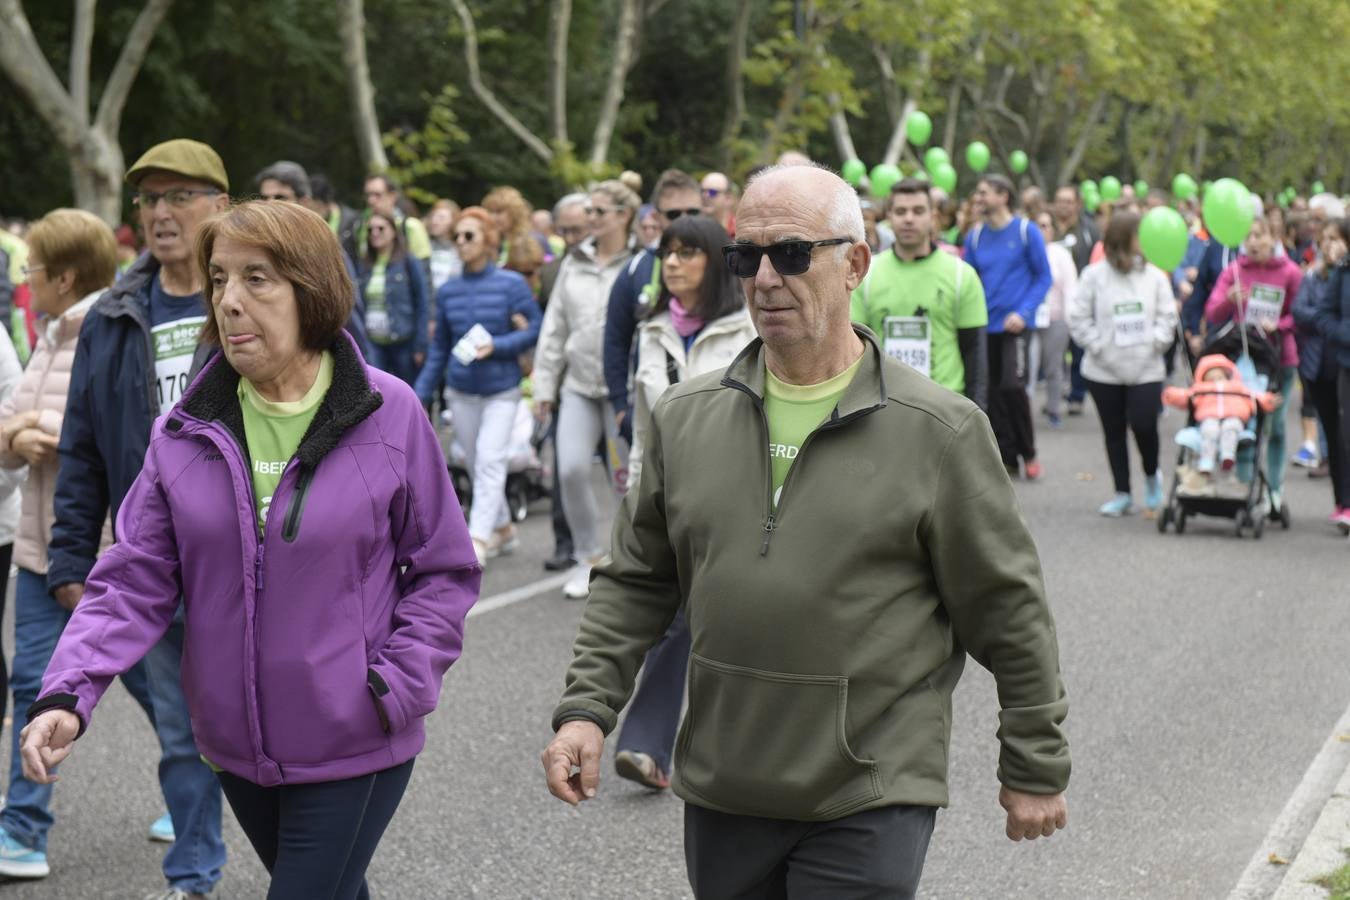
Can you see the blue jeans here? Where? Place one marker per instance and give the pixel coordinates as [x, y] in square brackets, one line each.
[194, 861]
[654, 715]
[396, 359]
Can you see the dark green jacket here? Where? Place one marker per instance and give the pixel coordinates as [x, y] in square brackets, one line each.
[828, 636]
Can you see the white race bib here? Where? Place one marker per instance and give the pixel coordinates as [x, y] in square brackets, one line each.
[1265, 305]
[377, 323]
[1130, 324]
[1043, 316]
[174, 344]
[909, 339]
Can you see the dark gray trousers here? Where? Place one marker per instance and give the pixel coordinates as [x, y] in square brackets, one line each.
[866, 856]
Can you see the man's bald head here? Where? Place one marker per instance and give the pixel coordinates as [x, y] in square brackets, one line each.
[814, 186]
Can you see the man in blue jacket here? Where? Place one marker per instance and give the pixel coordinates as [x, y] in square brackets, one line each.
[1008, 252]
[638, 285]
[131, 365]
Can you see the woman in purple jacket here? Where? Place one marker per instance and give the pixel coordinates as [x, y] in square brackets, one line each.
[316, 638]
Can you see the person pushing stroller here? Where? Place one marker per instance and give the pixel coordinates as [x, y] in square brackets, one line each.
[1221, 405]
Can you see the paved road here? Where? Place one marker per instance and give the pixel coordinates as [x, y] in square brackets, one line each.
[1204, 673]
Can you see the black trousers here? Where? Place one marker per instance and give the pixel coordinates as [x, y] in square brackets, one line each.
[1343, 394]
[866, 856]
[1009, 405]
[316, 840]
[1326, 400]
[6, 557]
[1135, 407]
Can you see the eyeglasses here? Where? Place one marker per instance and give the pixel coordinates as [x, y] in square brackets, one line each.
[601, 211]
[713, 193]
[788, 257]
[684, 253]
[466, 237]
[571, 229]
[176, 197]
[29, 270]
[673, 214]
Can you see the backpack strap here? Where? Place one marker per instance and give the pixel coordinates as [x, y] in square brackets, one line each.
[672, 370]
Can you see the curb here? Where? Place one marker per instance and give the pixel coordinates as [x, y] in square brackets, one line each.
[1324, 851]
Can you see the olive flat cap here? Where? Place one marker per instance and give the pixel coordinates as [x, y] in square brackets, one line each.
[191, 159]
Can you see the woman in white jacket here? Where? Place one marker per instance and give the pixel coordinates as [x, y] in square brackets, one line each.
[699, 324]
[1124, 317]
[571, 342]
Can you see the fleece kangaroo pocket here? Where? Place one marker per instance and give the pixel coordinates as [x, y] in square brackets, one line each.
[771, 744]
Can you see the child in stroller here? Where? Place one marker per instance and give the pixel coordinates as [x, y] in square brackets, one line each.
[1221, 406]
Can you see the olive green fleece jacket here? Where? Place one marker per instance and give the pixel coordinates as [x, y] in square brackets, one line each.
[828, 636]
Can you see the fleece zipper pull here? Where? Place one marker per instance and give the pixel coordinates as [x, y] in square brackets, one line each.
[769, 525]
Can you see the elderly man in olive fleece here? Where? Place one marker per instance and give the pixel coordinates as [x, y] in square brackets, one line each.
[833, 587]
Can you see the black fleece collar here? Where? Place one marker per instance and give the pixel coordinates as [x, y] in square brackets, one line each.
[349, 401]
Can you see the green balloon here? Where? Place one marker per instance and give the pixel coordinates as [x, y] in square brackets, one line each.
[1228, 211]
[944, 176]
[1017, 161]
[1110, 188]
[1091, 201]
[1184, 186]
[853, 171]
[933, 158]
[883, 176]
[977, 156]
[1282, 199]
[1205, 186]
[1163, 237]
[1088, 186]
[1141, 188]
[918, 128]
[1318, 187]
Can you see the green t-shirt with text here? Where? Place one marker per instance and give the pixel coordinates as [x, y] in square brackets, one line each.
[794, 411]
[274, 432]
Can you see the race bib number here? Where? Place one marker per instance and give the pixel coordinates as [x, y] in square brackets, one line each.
[909, 339]
[1043, 317]
[1265, 305]
[174, 344]
[377, 323]
[1130, 324]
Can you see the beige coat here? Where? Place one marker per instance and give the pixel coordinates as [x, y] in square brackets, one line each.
[660, 347]
[43, 388]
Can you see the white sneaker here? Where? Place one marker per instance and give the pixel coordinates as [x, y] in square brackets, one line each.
[578, 584]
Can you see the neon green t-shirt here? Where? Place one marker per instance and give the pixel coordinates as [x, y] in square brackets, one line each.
[948, 291]
[274, 432]
[794, 411]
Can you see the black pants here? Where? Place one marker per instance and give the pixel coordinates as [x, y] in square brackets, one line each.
[1135, 407]
[6, 557]
[1326, 400]
[1009, 405]
[1343, 394]
[866, 856]
[316, 840]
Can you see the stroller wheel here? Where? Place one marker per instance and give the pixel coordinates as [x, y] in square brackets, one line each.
[517, 498]
[1258, 528]
[1285, 518]
[1164, 517]
[1181, 520]
[1244, 518]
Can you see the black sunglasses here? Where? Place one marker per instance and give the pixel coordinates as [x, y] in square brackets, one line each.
[788, 257]
[673, 214]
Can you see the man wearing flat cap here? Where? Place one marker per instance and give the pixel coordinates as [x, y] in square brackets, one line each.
[132, 363]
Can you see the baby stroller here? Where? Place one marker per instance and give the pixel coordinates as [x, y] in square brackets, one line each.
[1194, 493]
[525, 481]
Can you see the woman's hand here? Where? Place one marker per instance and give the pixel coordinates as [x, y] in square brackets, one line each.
[36, 447]
[46, 742]
[11, 427]
[485, 350]
[1234, 294]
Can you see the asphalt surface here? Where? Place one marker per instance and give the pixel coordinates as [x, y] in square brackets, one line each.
[1204, 673]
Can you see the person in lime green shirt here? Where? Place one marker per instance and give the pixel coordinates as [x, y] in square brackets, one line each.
[926, 306]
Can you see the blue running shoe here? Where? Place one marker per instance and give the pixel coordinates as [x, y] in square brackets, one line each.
[1117, 506]
[19, 861]
[1153, 492]
[161, 830]
[1306, 457]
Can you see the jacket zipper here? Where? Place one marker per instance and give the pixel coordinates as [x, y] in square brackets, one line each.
[291, 527]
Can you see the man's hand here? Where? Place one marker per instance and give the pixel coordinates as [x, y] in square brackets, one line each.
[69, 595]
[1186, 290]
[1014, 324]
[46, 742]
[577, 745]
[1033, 815]
[36, 447]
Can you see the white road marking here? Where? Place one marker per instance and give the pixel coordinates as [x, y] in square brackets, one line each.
[524, 592]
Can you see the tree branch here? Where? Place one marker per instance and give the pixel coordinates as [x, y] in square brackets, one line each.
[22, 60]
[128, 65]
[843, 138]
[559, 27]
[352, 31]
[618, 78]
[896, 145]
[1080, 146]
[488, 99]
[81, 44]
[731, 124]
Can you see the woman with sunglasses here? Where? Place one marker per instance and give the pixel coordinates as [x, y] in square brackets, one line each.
[394, 289]
[571, 342]
[477, 339]
[699, 323]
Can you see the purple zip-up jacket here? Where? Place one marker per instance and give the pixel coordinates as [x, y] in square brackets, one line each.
[313, 653]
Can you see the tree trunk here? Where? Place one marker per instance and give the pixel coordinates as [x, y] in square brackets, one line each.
[843, 138]
[1198, 155]
[896, 146]
[618, 80]
[559, 26]
[953, 110]
[731, 124]
[1075, 158]
[360, 90]
[95, 158]
[1173, 146]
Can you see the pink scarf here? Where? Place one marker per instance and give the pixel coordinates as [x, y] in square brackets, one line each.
[686, 324]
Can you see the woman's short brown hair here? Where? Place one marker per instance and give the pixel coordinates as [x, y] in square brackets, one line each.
[66, 239]
[1118, 242]
[305, 252]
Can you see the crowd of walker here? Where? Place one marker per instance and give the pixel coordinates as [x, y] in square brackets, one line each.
[760, 370]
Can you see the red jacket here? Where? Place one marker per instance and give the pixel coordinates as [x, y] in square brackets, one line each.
[1228, 398]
